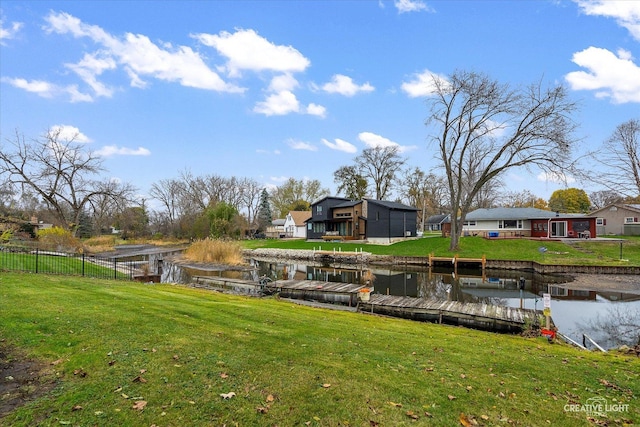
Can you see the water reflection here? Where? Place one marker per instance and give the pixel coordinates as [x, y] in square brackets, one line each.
[573, 310]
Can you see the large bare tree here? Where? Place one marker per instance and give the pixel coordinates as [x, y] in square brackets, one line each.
[59, 170]
[425, 192]
[380, 166]
[620, 155]
[482, 128]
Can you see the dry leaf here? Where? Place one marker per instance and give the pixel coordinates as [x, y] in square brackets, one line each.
[270, 398]
[485, 417]
[465, 421]
[326, 385]
[463, 376]
[227, 395]
[373, 423]
[142, 371]
[57, 362]
[176, 357]
[451, 397]
[397, 405]
[412, 415]
[428, 414]
[224, 375]
[262, 409]
[76, 408]
[139, 405]
[139, 379]
[112, 362]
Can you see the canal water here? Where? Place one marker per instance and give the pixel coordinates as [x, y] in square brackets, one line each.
[574, 311]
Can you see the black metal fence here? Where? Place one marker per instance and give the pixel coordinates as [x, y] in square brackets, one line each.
[36, 260]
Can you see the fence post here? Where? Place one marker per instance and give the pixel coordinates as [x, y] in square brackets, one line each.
[36, 260]
[115, 268]
[82, 264]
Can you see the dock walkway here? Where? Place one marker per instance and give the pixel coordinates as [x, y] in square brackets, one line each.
[476, 315]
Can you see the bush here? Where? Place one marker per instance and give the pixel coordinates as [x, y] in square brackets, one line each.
[58, 239]
[215, 251]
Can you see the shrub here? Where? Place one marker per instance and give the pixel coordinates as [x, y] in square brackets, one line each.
[58, 239]
[215, 251]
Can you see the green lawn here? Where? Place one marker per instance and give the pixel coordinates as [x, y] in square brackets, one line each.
[113, 344]
[585, 252]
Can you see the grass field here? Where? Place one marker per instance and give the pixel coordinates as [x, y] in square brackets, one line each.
[127, 354]
[584, 252]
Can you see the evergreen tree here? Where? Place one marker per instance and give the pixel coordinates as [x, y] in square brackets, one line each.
[264, 211]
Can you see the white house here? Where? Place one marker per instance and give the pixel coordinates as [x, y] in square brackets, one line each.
[295, 224]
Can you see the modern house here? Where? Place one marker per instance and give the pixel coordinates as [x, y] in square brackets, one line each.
[618, 218]
[527, 222]
[295, 224]
[367, 219]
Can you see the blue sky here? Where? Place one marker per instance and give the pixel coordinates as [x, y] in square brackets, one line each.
[279, 89]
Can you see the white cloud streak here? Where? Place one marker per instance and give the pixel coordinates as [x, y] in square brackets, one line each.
[372, 140]
[69, 133]
[340, 145]
[10, 32]
[114, 150]
[407, 6]
[626, 12]
[301, 145]
[344, 85]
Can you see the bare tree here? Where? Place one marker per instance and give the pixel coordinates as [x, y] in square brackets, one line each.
[60, 171]
[522, 199]
[602, 198]
[423, 191]
[484, 128]
[620, 155]
[380, 165]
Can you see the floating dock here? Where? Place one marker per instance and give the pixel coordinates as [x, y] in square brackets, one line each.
[474, 315]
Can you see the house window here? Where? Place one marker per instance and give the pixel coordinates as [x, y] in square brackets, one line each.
[344, 214]
[309, 226]
[599, 221]
[469, 224]
[318, 227]
[629, 220]
[510, 223]
[319, 210]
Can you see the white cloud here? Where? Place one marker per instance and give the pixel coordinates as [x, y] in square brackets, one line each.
[626, 13]
[406, 6]
[301, 145]
[283, 82]
[247, 50]
[278, 104]
[69, 133]
[555, 178]
[371, 140]
[89, 68]
[9, 33]
[340, 145]
[344, 85]
[279, 178]
[48, 90]
[611, 76]
[316, 110]
[138, 56]
[113, 150]
[423, 84]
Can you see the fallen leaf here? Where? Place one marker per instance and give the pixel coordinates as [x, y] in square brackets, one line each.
[227, 395]
[139, 379]
[142, 371]
[464, 420]
[176, 357]
[428, 414]
[270, 398]
[224, 375]
[397, 405]
[326, 385]
[98, 413]
[463, 376]
[262, 409]
[76, 408]
[412, 415]
[124, 395]
[373, 423]
[112, 362]
[139, 405]
[484, 417]
[451, 397]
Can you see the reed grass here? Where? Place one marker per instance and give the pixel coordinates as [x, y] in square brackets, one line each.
[215, 251]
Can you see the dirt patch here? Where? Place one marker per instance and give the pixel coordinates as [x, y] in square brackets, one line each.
[21, 379]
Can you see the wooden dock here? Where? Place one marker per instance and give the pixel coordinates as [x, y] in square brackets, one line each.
[433, 260]
[475, 315]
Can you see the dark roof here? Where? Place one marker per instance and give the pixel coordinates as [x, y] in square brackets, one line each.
[330, 197]
[392, 205]
[348, 204]
[437, 219]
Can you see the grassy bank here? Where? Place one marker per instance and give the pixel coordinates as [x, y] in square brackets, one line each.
[585, 252]
[111, 345]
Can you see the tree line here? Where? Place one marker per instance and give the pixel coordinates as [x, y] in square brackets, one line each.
[479, 129]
